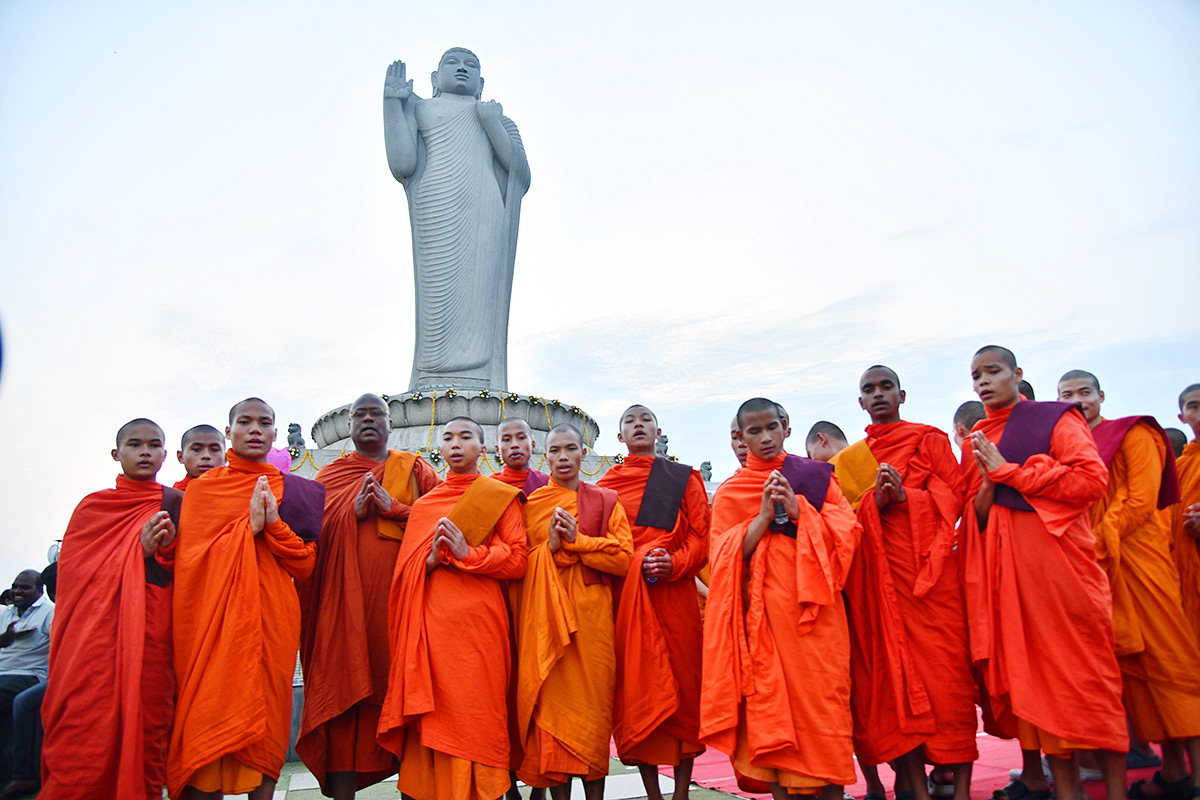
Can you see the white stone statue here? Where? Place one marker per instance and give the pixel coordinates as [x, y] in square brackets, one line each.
[463, 166]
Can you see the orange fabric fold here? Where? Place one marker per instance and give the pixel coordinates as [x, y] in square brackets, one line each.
[108, 709]
[344, 649]
[566, 659]
[1184, 547]
[1033, 587]
[237, 626]
[909, 657]
[479, 508]
[448, 701]
[659, 629]
[774, 695]
[1154, 642]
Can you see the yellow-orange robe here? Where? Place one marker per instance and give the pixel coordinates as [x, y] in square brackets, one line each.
[1157, 654]
[910, 662]
[237, 631]
[776, 686]
[1185, 547]
[659, 628]
[566, 658]
[344, 650]
[446, 713]
[1035, 591]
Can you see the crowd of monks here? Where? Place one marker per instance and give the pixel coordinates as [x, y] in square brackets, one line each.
[471, 632]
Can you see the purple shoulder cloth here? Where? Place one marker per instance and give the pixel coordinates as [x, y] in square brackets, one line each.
[303, 506]
[1026, 434]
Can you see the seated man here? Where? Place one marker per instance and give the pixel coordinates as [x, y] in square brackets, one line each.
[824, 441]
[24, 653]
[344, 649]
[914, 697]
[1159, 659]
[446, 710]
[578, 539]
[1033, 584]
[248, 530]
[109, 702]
[659, 630]
[201, 448]
[776, 690]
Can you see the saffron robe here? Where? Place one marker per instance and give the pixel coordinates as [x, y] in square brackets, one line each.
[527, 480]
[775, 694]
[659, 628]
[566, 676]
[910, 663]
[344, 649]
[182, 483]
[1185, 547]
[1034, 589]
[107, 710]
[1156, 651]
[446, 713]
[237, 630]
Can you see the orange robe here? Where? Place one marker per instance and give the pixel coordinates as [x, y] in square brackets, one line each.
[910, 663]
[446, 713]
[1156, 651]
[567, 661]
[107, 710]
[1035, 591]
[1185, 547]
[344, 649]
[182, 483]
[659, 629]
[237, 630]
[776, 685]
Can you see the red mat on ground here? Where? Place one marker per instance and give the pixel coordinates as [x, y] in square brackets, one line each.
[996, 758]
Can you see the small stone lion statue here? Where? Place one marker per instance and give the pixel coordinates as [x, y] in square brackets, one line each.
[295, 437]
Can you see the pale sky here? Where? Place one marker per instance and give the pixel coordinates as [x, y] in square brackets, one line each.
[755, 198]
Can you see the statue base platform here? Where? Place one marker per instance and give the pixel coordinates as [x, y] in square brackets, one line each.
[417, 419]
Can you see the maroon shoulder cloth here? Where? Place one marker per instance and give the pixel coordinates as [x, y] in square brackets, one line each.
[1109, 435]
[302, 506]
[534, 481]
[595, 506]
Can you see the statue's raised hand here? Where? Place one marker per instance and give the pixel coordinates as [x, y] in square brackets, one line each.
[395, 87]
[489, 110]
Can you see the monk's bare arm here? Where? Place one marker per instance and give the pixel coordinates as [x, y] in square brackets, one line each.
[504, 554]
[611, 553]
[1071, 473]
[399, 122]
[1141, 459]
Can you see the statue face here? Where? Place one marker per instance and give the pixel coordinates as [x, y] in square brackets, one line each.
[459, 74]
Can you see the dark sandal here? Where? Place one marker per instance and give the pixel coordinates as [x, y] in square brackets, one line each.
[1167, 790]
[1019, 791]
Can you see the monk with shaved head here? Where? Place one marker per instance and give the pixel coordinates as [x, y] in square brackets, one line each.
[249, 532]
[201, 448]
[446, 711]
[776, 691]
[659, 630]
[1157, 654]
[824, 441]
[107, 712]
[914, 697]
[344, 647]
[736, 444]
[579, 539]
[516, 450]
[1185, 516]
[1033, 584]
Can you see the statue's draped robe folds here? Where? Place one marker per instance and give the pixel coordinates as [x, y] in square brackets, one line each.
[1034, 588]
[446, 710]
[107, 711]
[566, 659]
[237, 626]
[1156, 651]
[909, 660]
[659, 630]
[344, 647]
[775, 694]
[464, 207]
[1186, 548]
